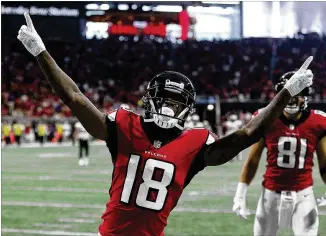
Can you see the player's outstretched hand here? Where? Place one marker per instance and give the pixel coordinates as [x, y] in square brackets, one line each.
[301, 79]
[239, 201]
[240, 208]
[321, 201]
[30, 38]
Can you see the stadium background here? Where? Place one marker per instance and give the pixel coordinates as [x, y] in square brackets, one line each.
[232, 51]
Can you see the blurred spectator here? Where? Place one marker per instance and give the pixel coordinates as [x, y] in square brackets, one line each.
[18, 131]
[6, 130]
[116, 70]
[42, 132]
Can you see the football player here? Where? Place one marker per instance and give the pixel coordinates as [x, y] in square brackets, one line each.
[83, 139]
[154, 158]
[232, 124]
[287, 197]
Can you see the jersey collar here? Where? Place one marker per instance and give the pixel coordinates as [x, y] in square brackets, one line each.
[156, 134]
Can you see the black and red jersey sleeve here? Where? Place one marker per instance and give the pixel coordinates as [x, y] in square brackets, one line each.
[120, 123]
[320, 119]
[112, 141]
[198, 163]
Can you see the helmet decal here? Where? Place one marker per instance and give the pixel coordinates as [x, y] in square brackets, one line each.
[169, 99]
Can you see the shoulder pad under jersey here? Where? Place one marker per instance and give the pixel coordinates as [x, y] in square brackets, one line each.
[112, 115]
[318, 112]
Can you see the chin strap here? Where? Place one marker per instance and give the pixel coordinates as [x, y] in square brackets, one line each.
[165, 121]
[153, 120]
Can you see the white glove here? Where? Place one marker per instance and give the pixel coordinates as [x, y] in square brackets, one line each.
[321, 201]
[29, 37]
[301, 79]
[239, 201]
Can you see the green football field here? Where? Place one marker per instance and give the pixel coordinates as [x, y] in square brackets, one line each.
[45, 192]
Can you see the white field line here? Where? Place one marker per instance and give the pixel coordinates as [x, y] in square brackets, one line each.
[55, 205]
[51, 155]
[17, 171]
[46, 232]
[98, 206]
[46, 177]
[44, 189]
[52, 225]
[71, 220]
[88, 215]
[47, 145]
[189, 194]
[107, 171]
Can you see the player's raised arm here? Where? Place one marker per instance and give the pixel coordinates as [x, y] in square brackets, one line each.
[321, 154]
[92, 119]
[224, 149]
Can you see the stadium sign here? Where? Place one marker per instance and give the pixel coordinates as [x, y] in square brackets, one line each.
[149, 29]
[40, 11]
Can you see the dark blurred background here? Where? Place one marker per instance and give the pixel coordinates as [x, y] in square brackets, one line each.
[233, 52]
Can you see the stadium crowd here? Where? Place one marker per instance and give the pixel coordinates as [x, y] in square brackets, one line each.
[116, 70]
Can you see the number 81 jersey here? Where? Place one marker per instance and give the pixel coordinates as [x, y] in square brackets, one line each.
[290, 147]
[147, 179]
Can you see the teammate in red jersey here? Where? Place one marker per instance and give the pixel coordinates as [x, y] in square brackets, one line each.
[287, 197]
[154, 158]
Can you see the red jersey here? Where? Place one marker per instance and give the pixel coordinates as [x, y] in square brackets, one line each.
[290, 147]
[147, 179]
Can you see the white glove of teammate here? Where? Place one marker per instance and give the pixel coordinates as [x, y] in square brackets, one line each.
[30, 38]
[239, 201]
[322, 201]
[301, 79]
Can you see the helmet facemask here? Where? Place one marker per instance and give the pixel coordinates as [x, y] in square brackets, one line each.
[168, 105]
[296, 104]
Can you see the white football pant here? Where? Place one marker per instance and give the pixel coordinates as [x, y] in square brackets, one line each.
[301, 215]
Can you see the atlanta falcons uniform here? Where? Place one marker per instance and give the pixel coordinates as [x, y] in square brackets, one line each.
[288, 177]
[148, 179]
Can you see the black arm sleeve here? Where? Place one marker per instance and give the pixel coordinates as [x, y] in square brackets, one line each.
[112, 141]
[197, 165]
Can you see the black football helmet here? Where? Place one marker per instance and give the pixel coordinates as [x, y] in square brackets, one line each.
[290, 108]
[169, 99]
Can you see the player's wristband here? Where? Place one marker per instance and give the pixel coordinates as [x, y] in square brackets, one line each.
[241, 190]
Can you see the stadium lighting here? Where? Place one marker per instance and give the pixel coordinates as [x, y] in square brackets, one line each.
[134, 6]
[222, 2]
[105, 7]
[140, 24]
[123, 7]
[167, 8]
[95, 13]
[146, 8]
[210, 10]
[92, 6]
[210, 107]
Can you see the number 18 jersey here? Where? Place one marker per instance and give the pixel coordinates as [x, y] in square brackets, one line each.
[148, 179]
[290, 147]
